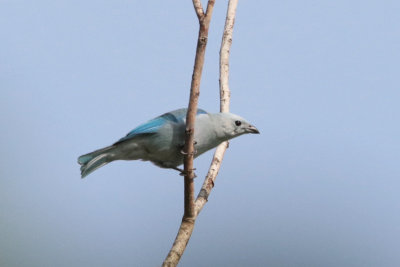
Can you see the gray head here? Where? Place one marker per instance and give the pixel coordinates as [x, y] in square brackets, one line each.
[233, 125]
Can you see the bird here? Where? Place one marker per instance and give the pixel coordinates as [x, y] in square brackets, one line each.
[162, 139]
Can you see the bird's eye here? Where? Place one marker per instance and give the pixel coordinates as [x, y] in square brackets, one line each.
[238, 123]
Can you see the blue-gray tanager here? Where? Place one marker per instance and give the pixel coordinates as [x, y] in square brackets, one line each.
[161, 139]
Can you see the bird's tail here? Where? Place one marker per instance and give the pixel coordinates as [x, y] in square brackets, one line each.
[94, 160]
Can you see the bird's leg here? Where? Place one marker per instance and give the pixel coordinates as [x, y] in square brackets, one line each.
[178, 169]
[168, 166]
[183, 172]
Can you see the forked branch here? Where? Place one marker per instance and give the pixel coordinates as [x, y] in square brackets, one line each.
[192, 208]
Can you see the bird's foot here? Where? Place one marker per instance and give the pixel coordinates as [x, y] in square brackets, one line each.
[185, 173]
[194, 151]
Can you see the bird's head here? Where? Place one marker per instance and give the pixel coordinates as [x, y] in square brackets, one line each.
[233, 125]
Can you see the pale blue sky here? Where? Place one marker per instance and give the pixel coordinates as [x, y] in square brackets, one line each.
[319, 187]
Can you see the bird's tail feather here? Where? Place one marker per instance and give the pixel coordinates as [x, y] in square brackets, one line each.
[94, 160]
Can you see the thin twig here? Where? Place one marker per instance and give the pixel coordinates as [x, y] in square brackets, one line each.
[198, 8]
[208, 184]
[224, 90]
[224, 104]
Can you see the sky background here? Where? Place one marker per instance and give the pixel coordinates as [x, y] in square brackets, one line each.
[318, 187]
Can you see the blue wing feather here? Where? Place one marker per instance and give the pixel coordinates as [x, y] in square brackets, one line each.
[153, 125]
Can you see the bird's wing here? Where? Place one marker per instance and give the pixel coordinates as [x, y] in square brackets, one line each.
[152, 126]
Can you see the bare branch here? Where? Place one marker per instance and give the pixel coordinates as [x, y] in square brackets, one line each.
[224, 104]
[189, 216]
[192, 208]
[181, 240]
[224, 56]
[199, 9]
[192, 110]
[210, 6]
[211, 176]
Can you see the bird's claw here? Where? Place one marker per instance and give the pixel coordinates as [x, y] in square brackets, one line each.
[185, 173]
[185, 153]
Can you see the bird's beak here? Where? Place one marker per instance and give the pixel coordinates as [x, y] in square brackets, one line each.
[252, 129]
